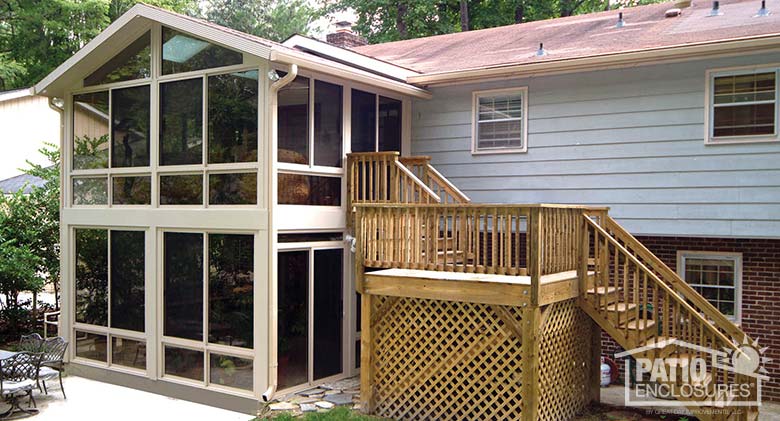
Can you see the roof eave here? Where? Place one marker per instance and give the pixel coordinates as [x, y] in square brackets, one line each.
[684, 52]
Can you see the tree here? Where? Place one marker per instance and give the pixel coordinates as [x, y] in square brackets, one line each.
[271, 19]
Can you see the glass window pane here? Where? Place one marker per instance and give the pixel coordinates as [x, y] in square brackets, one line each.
[328, 295]
[90, 130]
[92, 276]
[132, 190]
[128, 352]
[90, 191]
[184, 363]
[181, 122]
[293, 318]
[231, 371]
[231, 296]
[183, 288]
[130, 127]
[233, 189]
[181, 189]
[389, 124]
[327, 124]
[91, 346]
[744, 120]
[499, 134]
[127, 280]
[293, 122]
[185, 53]
[297, 189]
[233, 117]
[131, 63]
[363, 121]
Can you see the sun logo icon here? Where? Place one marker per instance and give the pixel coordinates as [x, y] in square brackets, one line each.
[748, 359]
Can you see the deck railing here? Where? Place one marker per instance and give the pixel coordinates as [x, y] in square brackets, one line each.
[534, 240]
[378, 177]
[421, 167]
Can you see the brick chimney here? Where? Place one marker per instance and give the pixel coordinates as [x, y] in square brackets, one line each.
[344, 37]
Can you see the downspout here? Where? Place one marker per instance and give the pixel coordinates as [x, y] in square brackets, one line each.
[58, 105]
[273, 356]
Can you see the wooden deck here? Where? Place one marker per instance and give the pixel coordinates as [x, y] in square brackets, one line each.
[521, 272]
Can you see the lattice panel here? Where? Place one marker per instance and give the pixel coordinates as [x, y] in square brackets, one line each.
[445, 360]
[565, 360]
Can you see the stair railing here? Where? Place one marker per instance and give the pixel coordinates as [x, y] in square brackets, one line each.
[620, 277]
[378, 177]
[672, 279]
[422, 168]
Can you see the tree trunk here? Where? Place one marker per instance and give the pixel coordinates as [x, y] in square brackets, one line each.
[464, 15]
[519, 13]
[400, 20]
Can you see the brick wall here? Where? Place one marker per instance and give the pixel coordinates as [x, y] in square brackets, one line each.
[345, 39]
[760, 291]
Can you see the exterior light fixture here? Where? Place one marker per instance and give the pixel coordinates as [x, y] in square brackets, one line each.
[273, 76]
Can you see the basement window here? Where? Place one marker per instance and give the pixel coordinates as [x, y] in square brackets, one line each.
[743, 106]
[716, 276]
[500, 121]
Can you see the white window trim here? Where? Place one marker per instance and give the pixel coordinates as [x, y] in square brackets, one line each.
[710, 75]
[682, 255]
[523, 90]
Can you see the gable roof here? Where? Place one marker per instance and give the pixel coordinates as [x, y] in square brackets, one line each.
[19, 182]
[140, 19]
[15, 94]
[646, 32]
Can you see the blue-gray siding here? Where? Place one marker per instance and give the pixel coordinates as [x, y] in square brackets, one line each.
[631, 139]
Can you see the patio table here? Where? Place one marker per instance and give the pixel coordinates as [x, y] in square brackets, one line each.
[6, 354]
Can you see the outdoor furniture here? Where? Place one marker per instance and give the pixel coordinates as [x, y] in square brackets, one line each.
[52, 364]
[30, 343]
[18, 378]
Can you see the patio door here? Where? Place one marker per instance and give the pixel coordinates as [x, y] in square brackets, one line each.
[310, 313]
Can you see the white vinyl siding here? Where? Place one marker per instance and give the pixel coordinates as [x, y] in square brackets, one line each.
[716, 276]
[499, 121]
[742, 105]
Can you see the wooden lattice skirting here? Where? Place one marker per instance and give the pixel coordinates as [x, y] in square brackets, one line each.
[442, 360]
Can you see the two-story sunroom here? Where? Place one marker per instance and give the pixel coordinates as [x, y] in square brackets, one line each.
[203, 224]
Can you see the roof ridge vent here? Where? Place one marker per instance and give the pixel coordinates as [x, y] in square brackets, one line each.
[715, 9]
[541, 52]
[763, 11]
[620, 23]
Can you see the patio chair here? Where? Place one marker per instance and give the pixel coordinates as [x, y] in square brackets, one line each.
[18, 378]
[52, 364]
[31, 343]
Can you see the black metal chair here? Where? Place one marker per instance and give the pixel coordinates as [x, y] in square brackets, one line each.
[53, 364]
[31, 343]
[18, 378]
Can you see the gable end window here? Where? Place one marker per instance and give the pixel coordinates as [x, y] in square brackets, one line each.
[743, 105]
[717, 276]
[500, 121]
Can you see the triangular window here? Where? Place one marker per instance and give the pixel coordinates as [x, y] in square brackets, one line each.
[134, 62]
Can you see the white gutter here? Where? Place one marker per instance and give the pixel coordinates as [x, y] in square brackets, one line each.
[19, 93]
[273, 354]
[682, 52]
[290, 56]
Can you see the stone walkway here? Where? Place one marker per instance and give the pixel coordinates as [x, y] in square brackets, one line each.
[344, 392]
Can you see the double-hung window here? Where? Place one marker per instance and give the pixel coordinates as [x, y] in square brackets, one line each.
[743, 105]
[716, 276]
[500, 120]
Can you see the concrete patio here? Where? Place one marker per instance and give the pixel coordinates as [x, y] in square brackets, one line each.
[90, 400]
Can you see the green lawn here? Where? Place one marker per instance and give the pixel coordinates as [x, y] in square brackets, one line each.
[335, 414]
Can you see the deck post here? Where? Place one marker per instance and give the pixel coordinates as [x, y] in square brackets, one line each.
[594, 385]
[366, 354]
[530, 360]
[534, 252]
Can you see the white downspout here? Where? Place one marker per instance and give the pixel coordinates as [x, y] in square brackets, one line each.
[273, 356]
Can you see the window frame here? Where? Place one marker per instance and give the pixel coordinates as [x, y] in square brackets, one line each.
[203, 345]
[709, 105]
[108, 331]
[683, 255]
[475, 96]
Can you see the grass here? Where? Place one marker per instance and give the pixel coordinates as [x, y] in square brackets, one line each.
[335, 414]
